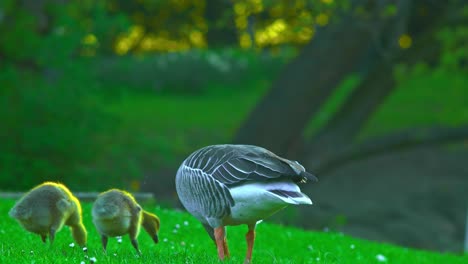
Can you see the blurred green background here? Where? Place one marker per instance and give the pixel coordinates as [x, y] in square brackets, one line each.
[372, 96]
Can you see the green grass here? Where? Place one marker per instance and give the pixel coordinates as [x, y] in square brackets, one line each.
[431, 98]
[437, 98]
[190, 244]
[177, 124]
[155, 132]
[159, 130]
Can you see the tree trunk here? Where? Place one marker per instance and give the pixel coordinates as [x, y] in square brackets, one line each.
[302, 87]
[346, 124]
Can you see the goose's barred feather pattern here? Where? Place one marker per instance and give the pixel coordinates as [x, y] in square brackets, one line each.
[235, 164]
[204, 178]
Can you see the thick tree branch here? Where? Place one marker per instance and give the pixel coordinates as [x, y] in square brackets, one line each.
[391, 143]
[280, 117]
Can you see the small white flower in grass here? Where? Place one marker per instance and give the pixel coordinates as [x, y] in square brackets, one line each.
[185, 223]
[119, 239]
[177, 226]
[381, 258]
[310, 247]
[115, 254]
[82, 262]
[85, 249]
[352, 246]
[93, 260]
[72, 245]
[165, 240]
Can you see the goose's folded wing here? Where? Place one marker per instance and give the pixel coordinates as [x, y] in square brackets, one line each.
[235, 164]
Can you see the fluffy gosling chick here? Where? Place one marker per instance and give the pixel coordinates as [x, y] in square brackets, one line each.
[46, 208]
[116, 213]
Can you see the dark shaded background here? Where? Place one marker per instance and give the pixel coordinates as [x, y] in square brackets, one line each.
[371, 96]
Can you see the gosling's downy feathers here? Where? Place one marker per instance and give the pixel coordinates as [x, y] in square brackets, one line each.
[46, 208]
[116, 213]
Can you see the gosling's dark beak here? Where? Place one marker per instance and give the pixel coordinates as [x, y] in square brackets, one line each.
[155, 238]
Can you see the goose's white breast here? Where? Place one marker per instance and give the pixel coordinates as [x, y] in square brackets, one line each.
[254, 201]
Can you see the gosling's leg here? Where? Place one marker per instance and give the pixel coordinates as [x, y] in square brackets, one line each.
[104, 242]
[133, 232]
[250, 237]
[52, 232]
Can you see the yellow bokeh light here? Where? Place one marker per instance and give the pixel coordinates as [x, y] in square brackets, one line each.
[322, 19]
[327, 1]
[241, 22]
[127, 41]
[275, 33]
[136, 32]
[122, 47]
[405, 41]
[305, 17]
[89, 39]
[147, 43]
[245, 41]
[279, 25]
[256, 6]
[305, 34]
[197, 39]
[240, 8]
[261, 38]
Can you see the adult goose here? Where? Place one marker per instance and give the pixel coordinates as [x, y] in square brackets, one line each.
[225, 185]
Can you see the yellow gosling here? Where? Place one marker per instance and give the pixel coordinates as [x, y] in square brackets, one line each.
[46, 208]
[116, 213]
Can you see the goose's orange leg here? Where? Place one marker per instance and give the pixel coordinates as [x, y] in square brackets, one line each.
[226, 248]
[221, 244]
[250, 237]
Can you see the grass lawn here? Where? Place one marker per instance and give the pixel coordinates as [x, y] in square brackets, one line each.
[435, 98]
[175, 125]
[183, 240]
[159, 130]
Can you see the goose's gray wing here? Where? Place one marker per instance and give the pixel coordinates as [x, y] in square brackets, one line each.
[204, 178]
[202, 195]
[236, 164]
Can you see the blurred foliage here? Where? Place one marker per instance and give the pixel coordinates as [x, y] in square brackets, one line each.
[58, 66]
[191, 72]
[50, 115]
